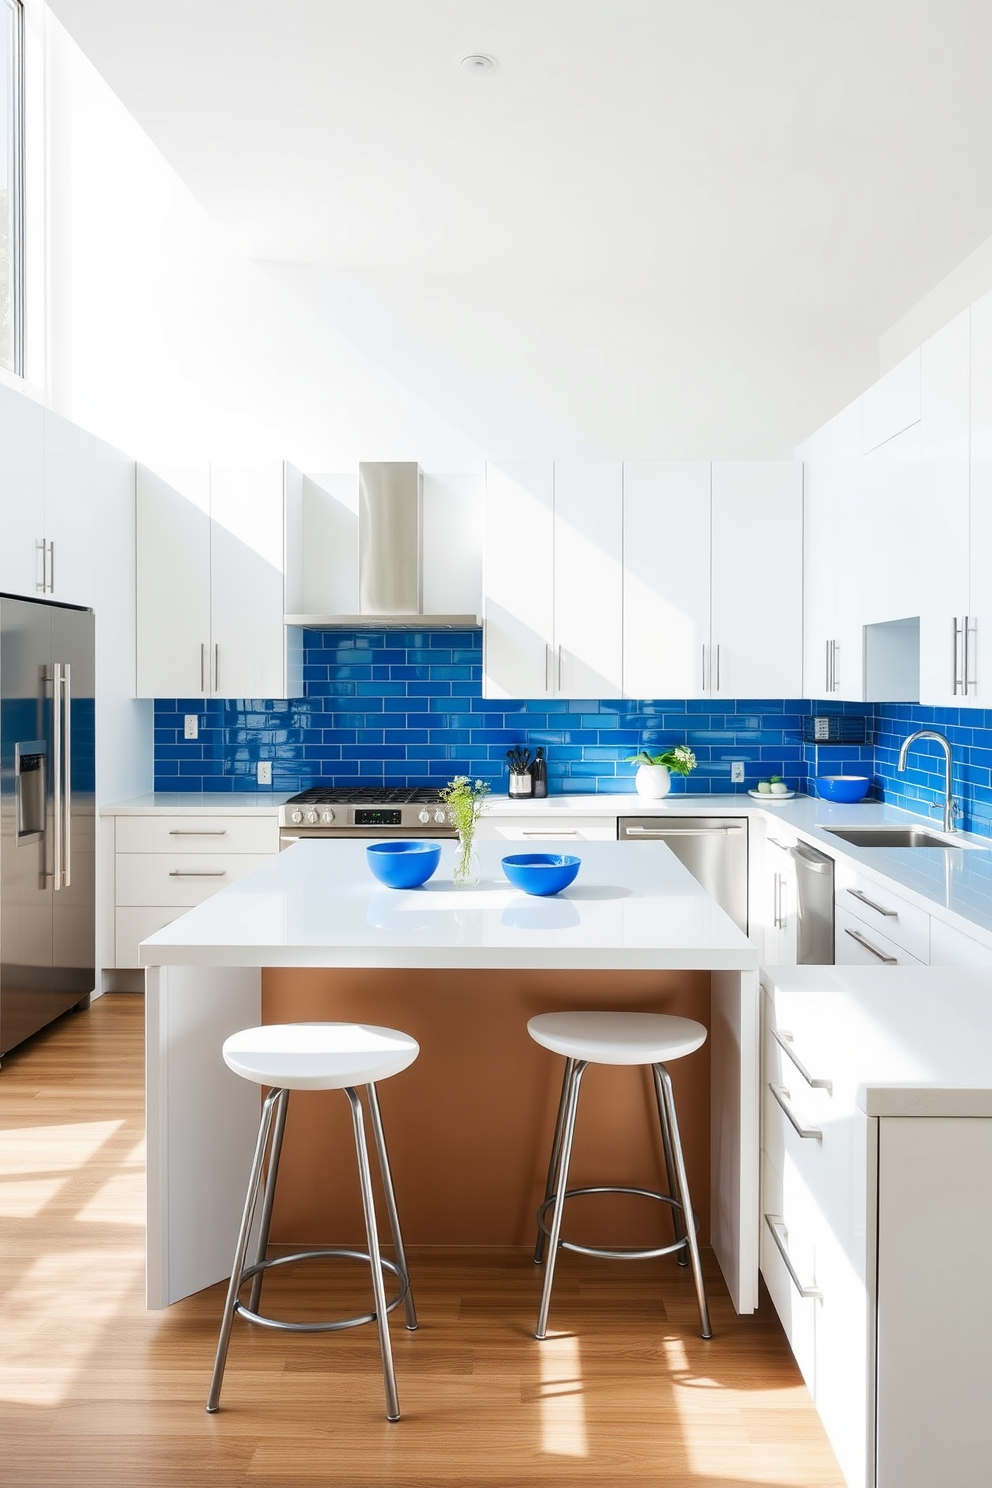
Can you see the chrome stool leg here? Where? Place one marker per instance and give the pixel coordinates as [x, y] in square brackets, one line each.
[391, 1210]
[223, 1342]
[665, 1082]
[371, 1231]
[272, 1173]
[666, 1141]
[550, 1186]
[579, 1068]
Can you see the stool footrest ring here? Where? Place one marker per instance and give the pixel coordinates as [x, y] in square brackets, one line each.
[326, 1327]
[628, 1253]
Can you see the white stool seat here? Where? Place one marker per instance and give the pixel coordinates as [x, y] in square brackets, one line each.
[318, 1056]
[617, 1038]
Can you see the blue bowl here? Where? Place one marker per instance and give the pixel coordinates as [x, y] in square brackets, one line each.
[842, 787]
[403, 865]
[540, 873]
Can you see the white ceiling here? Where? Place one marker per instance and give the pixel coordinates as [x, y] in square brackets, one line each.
[740, 196]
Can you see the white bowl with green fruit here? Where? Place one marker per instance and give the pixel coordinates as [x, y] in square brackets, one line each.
[773, 788]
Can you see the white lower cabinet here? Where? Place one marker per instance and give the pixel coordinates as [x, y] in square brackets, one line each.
[781, 908]
[165, 864]
[874, 1240]
[952, 947]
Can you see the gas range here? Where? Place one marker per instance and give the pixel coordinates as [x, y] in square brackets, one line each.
[364, 811]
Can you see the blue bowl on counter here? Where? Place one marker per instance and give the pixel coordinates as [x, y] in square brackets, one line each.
[845, 788]
[540, 873]
[403, 865]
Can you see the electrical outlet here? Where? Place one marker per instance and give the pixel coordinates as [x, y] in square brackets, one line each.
[737, 772]
[265, 772]
[192, 726]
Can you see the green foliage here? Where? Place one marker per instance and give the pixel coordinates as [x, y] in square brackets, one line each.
[680, 759]
[465, 802]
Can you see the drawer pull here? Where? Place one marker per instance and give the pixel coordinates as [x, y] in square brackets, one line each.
[780, 1231]
[784, 1041]
[191, 873]
[890, 914]
[811, 1133]
[549, 832]
[683, 831]
[177, 832]
[888, 960]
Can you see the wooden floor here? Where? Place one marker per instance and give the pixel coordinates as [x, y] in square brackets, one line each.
[95, 1390]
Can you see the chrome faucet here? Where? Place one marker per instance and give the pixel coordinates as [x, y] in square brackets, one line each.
[951, 808]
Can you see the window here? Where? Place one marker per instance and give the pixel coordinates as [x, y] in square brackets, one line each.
[11, 176]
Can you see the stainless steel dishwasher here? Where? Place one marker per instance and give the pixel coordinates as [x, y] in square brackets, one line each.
[815, 906]
[713, 848]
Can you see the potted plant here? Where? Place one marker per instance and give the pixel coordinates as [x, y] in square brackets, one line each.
[653, 779]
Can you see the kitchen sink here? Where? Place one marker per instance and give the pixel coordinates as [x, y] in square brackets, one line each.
[894, 837]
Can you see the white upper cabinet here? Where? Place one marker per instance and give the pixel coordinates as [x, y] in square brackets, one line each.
[757, 580]
[979, 629]
[69, 511]
[892, 404]
[588, 580]
[22, 492]
[832, 560]
[944, 587]
[552, 580]
[518, 581]
[46, 503]
[212, 583]
[889, 529]
[820, 457]
[666, 578]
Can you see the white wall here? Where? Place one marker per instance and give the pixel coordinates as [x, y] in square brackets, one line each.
[967, 282]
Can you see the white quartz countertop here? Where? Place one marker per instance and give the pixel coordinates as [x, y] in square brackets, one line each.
[200, 803]
[956, 883]
[913, 1040]
[632, 907]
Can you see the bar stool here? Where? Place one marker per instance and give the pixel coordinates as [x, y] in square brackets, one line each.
[617, 1038]
[317, 1056]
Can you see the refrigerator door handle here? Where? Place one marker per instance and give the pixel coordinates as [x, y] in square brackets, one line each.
[57, 772]
[67, 776]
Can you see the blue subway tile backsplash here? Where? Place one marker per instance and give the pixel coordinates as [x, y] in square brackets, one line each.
[405, 708]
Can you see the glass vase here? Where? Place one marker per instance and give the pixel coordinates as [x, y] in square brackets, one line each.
[466, 874]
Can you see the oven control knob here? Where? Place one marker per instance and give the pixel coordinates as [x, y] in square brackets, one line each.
[327, 816]
[296, 817]
[312, 817]
[424, 815]
[439, 816]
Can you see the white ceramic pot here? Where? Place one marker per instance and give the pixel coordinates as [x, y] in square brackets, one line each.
[652, 781]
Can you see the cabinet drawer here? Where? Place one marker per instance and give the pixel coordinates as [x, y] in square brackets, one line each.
[857, 943]
[163, 833]
[548, 829]
[797, 1314]
[133, 925]
[178, 879]
[952, 947]
[884, 910]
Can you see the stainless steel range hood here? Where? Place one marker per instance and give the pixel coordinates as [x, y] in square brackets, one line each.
[390, 555]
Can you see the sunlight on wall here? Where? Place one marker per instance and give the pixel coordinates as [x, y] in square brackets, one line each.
[563, 1413]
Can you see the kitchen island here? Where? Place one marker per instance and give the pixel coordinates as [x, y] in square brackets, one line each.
[311, 934]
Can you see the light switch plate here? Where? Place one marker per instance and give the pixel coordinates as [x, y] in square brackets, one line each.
[737, 772]
[264, 772]
[191, 729]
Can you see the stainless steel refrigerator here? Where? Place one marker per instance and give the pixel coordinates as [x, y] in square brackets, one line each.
[47, 823]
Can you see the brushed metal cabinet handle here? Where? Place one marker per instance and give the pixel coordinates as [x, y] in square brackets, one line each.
[57, 772]
[784, 1041]
[67, 776]
[808, 1133]
[203, 667]
[177, 832]
[549, 832]
[216, 666]
[51, 566]
[779, 1230]
[547, 666]
[193, 873]
[702, 679]
[887, 960]
[955, 651]
[890, 914]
